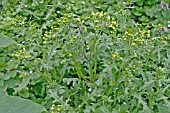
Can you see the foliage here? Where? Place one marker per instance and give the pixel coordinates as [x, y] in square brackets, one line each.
[20, 106]
[86, 56]
[5, 41]
[151, 11]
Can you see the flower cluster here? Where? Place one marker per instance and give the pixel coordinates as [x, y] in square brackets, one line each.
[21, 54]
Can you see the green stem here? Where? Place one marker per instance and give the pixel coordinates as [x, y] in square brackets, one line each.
[79, 73]
[91, 72]
[95, 69]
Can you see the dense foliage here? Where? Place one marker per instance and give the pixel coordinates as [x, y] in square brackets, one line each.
[91, 56]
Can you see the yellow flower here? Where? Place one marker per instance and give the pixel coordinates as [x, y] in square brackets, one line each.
[56, 29]
[26, 57]
[59, 105]
[110, 26]
[153, 39]
[78, 19]
[70, 55]
[114, 22]
[63, 61]
[148, 35]
[23, 23]
[44, 42]
[97, 13]
[92, 13]
[46, 35]
[52, 108]
[149, 31]
[143, 33]
[20, 51]
[87, 43]
[96, 21]
[141, 42]
[97, 26]
[114, 55]
[108, 18]
[101, 14]
[133, 44]
[53, 105]
[24, 49]
[82, 21]
[59, 109]
[144, 37]
[135, 55]
[54, 35]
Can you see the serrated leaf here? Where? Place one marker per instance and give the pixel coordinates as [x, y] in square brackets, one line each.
[24, 84]
[12, 104]
[69, 80]
[5, 41]
[141, 101]
[103, 109]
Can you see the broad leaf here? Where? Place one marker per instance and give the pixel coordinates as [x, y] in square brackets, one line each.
[5, 41]
[11, 104]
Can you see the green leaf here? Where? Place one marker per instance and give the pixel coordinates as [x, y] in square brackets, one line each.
[9, 75]
[3, 88]
[144, 19]
[140, 3]
[102, 109]
[5, 41]
[135, 0]
[41, 1]
[139, 9]
[137, 13]
[79, 72]
[24, 93]
[2, 61]
[1, 82]
[164, 14]
[12, 65]
[150, 12]
[11, 104]
[69, 80]
[54, 75]
[150, 2]
[12, 82]
[162, 108]
[110, 8]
